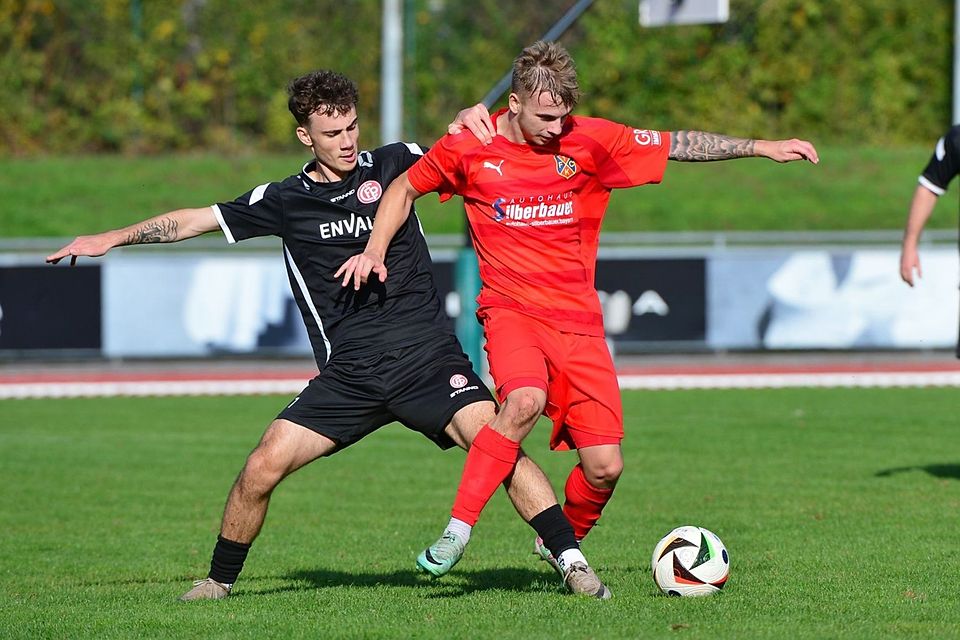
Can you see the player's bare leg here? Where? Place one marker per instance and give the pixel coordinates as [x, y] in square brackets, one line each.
[587, 490]
[284, 448]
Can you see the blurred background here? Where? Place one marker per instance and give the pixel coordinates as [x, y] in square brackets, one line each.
[115, 110]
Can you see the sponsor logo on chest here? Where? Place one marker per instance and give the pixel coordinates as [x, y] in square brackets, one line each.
[535, 210]
[352, 227]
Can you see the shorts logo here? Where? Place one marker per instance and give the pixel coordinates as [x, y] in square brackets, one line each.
[458, 381]
[369, 191]
[566, 167]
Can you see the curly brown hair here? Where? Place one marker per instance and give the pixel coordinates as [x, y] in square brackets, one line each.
[546, 66]
[324, 92]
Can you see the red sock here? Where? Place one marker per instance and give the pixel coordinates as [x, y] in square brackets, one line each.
[584, 502]
[490, 460]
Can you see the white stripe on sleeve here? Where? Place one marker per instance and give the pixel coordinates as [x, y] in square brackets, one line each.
[932, 187]
[223, 224]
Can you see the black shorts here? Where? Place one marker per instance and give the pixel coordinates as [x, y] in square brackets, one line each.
[420, 386]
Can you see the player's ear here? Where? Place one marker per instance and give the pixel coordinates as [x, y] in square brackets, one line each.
[513, 102]
[304, 136]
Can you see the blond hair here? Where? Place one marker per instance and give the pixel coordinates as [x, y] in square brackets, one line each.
[546, 67]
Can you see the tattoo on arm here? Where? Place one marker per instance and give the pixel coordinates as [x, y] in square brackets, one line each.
[700, 146]
[153, 231]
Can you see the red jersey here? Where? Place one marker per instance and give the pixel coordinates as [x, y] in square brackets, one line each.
[535, 212]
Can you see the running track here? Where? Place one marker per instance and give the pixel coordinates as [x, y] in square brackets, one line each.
[249, 378]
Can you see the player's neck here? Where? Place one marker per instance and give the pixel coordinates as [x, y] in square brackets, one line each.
[323, 173]
[508, 126]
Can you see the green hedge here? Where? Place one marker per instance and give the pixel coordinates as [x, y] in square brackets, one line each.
[160, 75]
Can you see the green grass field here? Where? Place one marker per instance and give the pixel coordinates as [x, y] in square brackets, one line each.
[851, 189]
[838, 508]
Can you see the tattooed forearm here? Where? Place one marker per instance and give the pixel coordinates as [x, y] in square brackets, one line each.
[153, 231]
[700, 146]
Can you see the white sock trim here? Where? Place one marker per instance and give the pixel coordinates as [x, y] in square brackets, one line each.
[570, 556]
[461, 528]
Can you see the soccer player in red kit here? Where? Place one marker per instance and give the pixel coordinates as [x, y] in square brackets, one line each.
[535, 199]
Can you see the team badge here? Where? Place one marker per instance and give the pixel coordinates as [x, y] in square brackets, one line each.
[566, 167]
[458, 381]
[369, 191]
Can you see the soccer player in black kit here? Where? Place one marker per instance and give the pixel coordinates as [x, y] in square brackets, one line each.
[384, 352]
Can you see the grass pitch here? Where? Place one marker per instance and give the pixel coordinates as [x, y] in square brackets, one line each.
[851, 189]
[838, 508]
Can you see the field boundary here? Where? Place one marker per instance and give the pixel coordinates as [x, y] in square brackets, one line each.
[251, 381]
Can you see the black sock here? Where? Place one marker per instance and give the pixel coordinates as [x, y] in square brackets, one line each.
[227, 562]
[555, 530]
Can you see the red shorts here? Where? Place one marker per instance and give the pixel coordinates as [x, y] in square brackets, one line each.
[576, 372]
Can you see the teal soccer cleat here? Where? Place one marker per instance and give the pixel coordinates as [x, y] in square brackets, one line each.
[442, 555]
[544, 554]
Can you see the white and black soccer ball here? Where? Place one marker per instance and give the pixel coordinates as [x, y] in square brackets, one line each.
[690, 561]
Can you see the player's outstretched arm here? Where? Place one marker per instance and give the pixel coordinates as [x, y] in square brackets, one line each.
[392, 212]
[167, 227]
[701, 146]
[921, 207]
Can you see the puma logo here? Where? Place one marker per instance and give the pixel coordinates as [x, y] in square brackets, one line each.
[496, 167]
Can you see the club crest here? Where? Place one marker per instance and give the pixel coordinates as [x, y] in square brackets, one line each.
[566, 167]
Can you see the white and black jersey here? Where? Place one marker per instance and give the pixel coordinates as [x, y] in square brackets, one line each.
[944, 164]
[321, 225]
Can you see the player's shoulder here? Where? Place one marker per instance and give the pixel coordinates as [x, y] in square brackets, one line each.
[592, 124]
[596, 129]
[461, 143]
[606, 132]
[395, 149]
[274, 188]
[952, 136]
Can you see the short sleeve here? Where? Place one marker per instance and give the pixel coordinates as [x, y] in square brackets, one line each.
[440, 168]
[944, 163]
[258, 212]
[627, 157]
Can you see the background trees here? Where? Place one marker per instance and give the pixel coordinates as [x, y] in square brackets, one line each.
[162, 75]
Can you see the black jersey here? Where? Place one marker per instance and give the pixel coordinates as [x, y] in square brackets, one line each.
[944, 164]
[321, 226]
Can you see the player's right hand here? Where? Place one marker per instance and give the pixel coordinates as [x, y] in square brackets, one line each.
[91, 246]
[359, 267]
[909, 261]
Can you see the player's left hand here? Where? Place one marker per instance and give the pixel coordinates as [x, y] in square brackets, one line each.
[477, 120]
[359, 267]
[789, 150]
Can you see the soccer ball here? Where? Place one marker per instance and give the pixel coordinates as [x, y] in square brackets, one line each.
[690, 561]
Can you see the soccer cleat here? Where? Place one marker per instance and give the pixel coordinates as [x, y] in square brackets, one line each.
[544, 554]
[581, 580]
[206, 589]
[442, 555]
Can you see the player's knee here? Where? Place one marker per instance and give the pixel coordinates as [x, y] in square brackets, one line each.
[604, 474]
[261, 473]
[522, 408]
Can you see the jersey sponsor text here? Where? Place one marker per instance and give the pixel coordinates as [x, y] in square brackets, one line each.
[352, 226]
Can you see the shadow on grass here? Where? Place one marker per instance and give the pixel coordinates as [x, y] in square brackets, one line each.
[456, 584]
[946, 471]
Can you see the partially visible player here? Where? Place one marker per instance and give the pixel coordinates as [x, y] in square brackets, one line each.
[535, 201]
[384, 353]
[944, 164]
